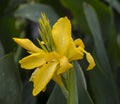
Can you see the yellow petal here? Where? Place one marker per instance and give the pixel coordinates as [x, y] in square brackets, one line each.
[64, 65]
[58, 79]
[79, 43]
[33, 61]
[33, 77]
[27, 44]
[44, 89]
[90, 60]
[75, 53]
[61, 33]
[52, 56]
[42, 76]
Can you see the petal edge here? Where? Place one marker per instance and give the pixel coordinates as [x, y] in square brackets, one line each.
[27, 44]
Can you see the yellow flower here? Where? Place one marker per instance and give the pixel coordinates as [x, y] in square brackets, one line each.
[54, 57]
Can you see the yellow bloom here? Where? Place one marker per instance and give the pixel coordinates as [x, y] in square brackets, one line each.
[50, 61]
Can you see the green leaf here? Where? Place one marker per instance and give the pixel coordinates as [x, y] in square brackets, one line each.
[7, 6]
[33, 12]
[27, 97]
[83, 94]
[115, 4]
[72, 89]
[7, 32]
[101, 79]
[110, 31]
[81, 90]
[118, 40]
[103, 89]
[10, 88]
[105, 16]
[56, 5]
[99, 44]
[75, 6]
[56, 96]
[1, 50]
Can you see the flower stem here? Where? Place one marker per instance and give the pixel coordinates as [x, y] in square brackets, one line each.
[72, 87]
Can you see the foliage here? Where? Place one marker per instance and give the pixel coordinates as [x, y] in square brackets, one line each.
[97, 22]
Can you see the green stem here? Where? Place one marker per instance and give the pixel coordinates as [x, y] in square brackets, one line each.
[72, 87]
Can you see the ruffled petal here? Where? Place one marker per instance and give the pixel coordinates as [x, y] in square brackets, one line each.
[27, 44]
[33, 61]
[61, 33]
[64, 65]
[58, 79]
[42, 76]
[75, 52]
[90, 60]
[52, 56]
[79, 43]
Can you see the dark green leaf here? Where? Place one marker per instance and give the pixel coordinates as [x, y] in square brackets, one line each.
[101, 79]
[1, 50]
[105, 16]
[83, 94]
[27, 97]
[115, 4]
[56, 96]
[75, 6]
[99, 44]
[33, 12]
[103, 88]
[7, 6]
[7, 32]
[118, 40]
[10, 88]
[56, 5]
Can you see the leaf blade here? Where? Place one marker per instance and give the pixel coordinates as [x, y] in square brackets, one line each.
[33, 12]
[11, 87]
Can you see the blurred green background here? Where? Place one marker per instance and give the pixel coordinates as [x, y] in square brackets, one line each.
[97, 22]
